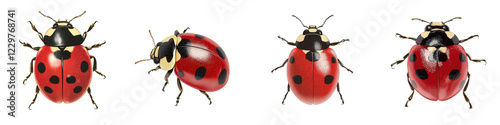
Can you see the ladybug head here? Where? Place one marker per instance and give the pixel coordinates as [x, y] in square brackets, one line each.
[312, 29]
[439, 26]
[164, 52]
[62, 33]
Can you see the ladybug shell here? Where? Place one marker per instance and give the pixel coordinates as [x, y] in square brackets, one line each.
[203, 64]
[313, 82]
[438, 80]
[63, 76]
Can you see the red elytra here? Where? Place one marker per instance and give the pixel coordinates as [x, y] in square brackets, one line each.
[313, 82]
[61, 77]
[204, 57]
[436, 80]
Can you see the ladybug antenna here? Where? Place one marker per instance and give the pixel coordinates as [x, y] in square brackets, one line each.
[47, 16]
[142, 60]
[152, 38]
[77, 16]
[300, 21]
[452, 19]
[420, 20]
[325, 21]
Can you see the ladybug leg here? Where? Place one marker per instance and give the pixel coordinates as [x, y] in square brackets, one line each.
[340, 93]
[288, 90]
[470, 37]
[412, 90]
[279, 66]
[208, 97]
[166, 79]
[344, 66]
[405, 37]
[34, 29]
[88, 30]
[399, 61]
[477, 60]
[336, 43]
[92, 98]
[31, 70]
[187, 28]
[155, 69]
[95, 46]
[180, 89]
[465, 89]
[36, 94]
[29, 46]
[94, 68]
[289, 43]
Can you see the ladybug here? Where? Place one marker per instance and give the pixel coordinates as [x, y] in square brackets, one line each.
[63, 66]
[313, 67]
[196, 60]
[437, 66]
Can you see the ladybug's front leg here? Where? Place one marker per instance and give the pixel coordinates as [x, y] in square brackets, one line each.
[336, 43]
[477, 60]
[31, 70]
[412, 90]
[155, 69]
[92, 98]
[166, 78]
[465, 89]
[29, 46]
[399, 61]
[36, 94]
[405, 37]
[34, 29]
[288, 90]
[88, 30]
[180, 89]
[289, 43]
[95, 46]
[470, 37]
[279, 66]
[94, 68]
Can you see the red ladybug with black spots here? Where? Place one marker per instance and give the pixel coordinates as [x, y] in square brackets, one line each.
[196, 60]
[313, 67]
[437, 66]
[63, 67]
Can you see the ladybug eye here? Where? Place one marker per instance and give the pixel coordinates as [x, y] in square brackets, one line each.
[55, 25]
[70, 26]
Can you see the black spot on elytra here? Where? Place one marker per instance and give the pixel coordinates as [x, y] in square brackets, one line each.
[200, 73]
[77, 89]
[462, 57]
[41, 67]
[180, 73]
[64, 55]
[70, 79]
[292, 60]
[454, 74]
[413, 57]
[297, 79]
[199, 36]
[183, 47]
[462, 83]
[421, 74]
[312, 56]
[414, 84]
[220, 52]
[442, 57]
[54, 79]
[222, 76]
[47, 89]
[84, 66]
[334, 60]
[329, 79]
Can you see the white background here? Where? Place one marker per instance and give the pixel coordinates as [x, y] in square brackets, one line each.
[247, 30]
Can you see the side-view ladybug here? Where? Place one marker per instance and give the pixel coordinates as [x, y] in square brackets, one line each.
[196, 60]
[313, 67]
[63, 66]
[437, 66]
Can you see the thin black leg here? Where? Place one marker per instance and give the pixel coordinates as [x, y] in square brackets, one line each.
[95, 67]
[155, 69]
[92, 98]
[31, 70]
[465, 89]
[336, 43]
[399, 61]
[180, 91]
[208, 97]
[412, 90]
[338, 89]
[166, 78]
[289, 43]
[288, 90]
[342, 65]
[470, 37]
[279, 66]
[34, 99]
[477, 60]
[405, 37]
[95, 46]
